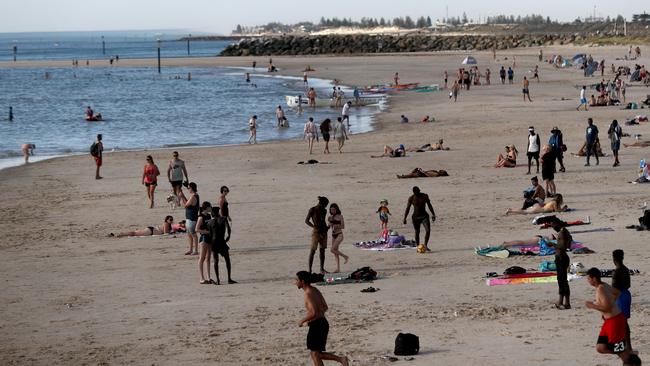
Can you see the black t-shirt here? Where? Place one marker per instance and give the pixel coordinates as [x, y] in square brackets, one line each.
[548, 161]
[621, 278]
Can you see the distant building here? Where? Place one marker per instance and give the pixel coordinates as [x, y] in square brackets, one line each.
[641, 18]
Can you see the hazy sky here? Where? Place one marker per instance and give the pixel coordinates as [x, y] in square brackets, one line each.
[220, 16]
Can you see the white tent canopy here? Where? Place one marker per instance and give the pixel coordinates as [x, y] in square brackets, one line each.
[469, 60]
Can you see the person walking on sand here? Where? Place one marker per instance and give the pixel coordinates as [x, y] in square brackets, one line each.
[252, 126]
[420, 201]
[621, 282]
[318, 326]
[325, 129]
[548, 170]
[511, 75]
[454, 91]
[592, 138]
[150, 179]
[445, 76]
[583, 99]
[28, 149]
[525, 90]
[536, 73]
[557, 143]
[533, 148]
[316, 220]
[502, 75]
[337, 224]
[396, 79]
[487, 76]
[192, 207]
[175, 172]
[611, 339]
[219, 229]
[97, 152]
[310, 133]
[562, 262]
[615, 132]
[340, 134]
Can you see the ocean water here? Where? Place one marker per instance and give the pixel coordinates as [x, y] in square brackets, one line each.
[141, 108]
[144, 109]
[88, 45]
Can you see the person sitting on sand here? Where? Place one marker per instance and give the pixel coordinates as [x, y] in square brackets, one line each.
[638, 144]
[429, 147]
[397, 152]
[644, 174]
[426, 119]
[168, 227]
[583, 149]
[553, 205]
[510, 160]
[403, 119]
[419, 173]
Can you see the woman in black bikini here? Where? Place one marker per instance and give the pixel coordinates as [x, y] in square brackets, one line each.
[204, 241]
[510, 160]
[168, 227]
[223, 203]
[337, 225]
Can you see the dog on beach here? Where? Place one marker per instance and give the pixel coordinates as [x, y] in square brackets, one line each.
[172, 199]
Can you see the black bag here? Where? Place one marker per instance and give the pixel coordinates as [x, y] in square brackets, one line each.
[514, 270]
[363, 274]
[94, 149]
[407, 344]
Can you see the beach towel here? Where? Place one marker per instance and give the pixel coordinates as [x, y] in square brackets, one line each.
[330, 279]
[541, 250]
[381, 245]
[542, 278]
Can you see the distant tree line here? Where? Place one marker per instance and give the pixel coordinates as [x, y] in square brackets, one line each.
[409, 23]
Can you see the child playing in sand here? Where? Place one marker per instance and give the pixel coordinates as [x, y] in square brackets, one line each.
[383, 212]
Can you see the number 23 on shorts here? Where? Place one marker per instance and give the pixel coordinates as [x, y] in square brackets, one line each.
[619, 347]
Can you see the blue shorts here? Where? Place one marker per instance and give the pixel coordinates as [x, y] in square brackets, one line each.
[583, 101]
[624, 302]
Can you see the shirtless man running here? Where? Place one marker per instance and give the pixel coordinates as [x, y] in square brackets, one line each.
[315, 319]
[420, 201]
[611, 339]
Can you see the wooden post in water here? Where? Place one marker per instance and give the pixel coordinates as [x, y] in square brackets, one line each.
[188, 44]
[103, 46]
[15, 51]
[158, 41]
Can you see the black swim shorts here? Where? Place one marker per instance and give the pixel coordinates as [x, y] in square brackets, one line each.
[317, 335]
[176, 183]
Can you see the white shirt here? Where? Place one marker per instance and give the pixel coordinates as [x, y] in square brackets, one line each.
[533, 146]
[582, 94]
[346, 109]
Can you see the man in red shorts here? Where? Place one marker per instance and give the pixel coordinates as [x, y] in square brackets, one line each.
[611, 339]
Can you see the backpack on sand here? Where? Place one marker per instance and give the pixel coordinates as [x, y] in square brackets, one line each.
[407, 344]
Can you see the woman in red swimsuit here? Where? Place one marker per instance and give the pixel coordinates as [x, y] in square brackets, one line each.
[150, 178]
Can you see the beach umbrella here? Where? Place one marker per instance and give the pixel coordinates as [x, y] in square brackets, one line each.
[469, 60]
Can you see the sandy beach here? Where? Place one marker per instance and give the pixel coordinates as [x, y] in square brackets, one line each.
[73, 296]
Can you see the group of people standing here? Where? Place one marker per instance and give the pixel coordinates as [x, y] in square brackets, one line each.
[337, 130]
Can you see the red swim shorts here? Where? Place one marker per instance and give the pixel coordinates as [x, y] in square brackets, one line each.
[613, 333]
[98, 161]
